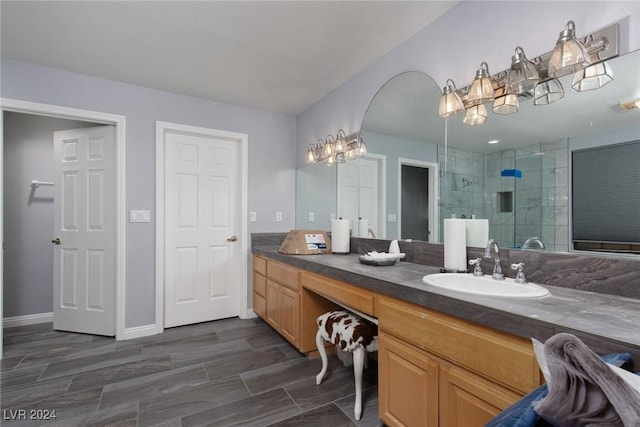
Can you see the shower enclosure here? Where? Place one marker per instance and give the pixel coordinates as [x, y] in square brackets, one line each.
[522, 192]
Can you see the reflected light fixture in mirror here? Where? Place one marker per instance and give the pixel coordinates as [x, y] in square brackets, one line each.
[450, 102]
[336, 150]
[481, 90]
[548, 92]
[475, 115]
[506, 104]
[569, 53]
[593, 77]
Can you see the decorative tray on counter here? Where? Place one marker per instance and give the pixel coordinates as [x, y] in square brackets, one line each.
[380, 258]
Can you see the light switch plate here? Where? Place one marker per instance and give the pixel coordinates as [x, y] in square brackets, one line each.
[139, 216]
[252, 217]
[312, 217]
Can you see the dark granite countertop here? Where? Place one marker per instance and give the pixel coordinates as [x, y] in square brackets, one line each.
[606, 323]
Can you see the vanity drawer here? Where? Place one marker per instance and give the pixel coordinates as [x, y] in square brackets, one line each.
[260, 284]
[504, 358]
[260, 265]
[284, 275]
[349, 295]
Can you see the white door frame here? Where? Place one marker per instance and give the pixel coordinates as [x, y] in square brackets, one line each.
[242, 139]
[433, 194]
[38, 109]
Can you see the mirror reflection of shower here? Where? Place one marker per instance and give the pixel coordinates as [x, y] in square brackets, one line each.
[522, 192]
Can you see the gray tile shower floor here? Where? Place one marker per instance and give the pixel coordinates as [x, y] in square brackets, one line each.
[227, 372]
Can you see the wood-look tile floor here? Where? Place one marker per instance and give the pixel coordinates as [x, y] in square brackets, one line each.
[227, 372]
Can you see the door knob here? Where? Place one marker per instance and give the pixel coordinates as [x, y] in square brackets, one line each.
[232, 239]
[56, 241]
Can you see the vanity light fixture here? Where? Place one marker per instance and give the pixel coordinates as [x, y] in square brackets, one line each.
[548, 92]
[450, 102]
[475, 115]
[593, 77]
[569, 53]
[481, 90]
[537, 78]
[336, 150]
[522, 75]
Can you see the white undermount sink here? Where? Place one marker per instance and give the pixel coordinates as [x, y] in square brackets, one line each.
[485, 285]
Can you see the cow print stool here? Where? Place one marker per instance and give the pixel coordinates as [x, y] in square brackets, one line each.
[349, 333]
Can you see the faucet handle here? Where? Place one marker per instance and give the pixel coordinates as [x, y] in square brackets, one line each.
[520, 277]
[477, 271]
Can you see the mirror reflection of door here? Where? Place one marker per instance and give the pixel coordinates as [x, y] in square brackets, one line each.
[414, 219]
[358, 193]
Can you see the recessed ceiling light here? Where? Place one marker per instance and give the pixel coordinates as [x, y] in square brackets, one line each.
[494, 141]
[630, 105]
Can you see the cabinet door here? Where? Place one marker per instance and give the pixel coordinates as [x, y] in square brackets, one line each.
[467, 400]
[273, 304]
[290, 315]
[407, 384]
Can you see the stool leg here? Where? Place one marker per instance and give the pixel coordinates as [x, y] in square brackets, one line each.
[358, 365]
[323, 356]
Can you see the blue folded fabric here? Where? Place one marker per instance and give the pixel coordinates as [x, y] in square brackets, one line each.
[521, 413]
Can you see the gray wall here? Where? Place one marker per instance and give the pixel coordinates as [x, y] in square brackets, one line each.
[271, 159]
[28, 213]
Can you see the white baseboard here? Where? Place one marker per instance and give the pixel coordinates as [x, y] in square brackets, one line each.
[29, 319]
[250, 314]
[141, 331]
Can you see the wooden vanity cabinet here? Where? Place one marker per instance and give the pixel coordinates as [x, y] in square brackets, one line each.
[276, 297]
[447, 371]
[280, 300]
[434, 369]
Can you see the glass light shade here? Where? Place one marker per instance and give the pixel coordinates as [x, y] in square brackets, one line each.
[593, 77]
[340, 158]
[522, 75]
[362, 148]
[475, 115]
[506, 104]
[329, 148]
[450, 102]
[547, 92]
[481, 89]
[569, 54]
[311, 154]
[340, 145]
[331, 160]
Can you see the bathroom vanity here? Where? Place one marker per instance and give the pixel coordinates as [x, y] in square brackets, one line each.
[445, 359]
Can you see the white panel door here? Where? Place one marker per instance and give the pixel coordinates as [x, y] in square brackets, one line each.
[368, 193]
[84, 227]
[358, 192]
[348, 193]
[202, 255]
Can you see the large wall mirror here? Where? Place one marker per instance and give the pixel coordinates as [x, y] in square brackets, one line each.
[402, 125]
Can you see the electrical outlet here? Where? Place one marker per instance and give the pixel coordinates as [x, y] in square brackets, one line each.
[139, 216]
[278, 216]
[312, 217]
[252, 217]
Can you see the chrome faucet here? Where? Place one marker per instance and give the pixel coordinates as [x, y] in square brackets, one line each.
[497, 270]
[531, 240]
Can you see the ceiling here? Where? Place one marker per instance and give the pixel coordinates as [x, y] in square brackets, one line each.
[279, 56]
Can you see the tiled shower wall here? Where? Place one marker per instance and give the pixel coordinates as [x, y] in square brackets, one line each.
[517, 208]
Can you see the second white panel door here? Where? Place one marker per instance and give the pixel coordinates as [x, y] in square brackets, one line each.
[201, 210]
